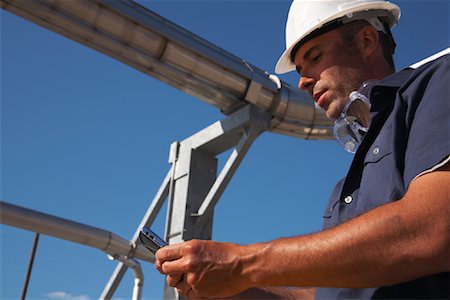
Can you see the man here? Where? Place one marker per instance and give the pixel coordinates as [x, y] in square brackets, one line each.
[387, 227]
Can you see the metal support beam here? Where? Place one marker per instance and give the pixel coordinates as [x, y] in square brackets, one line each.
[195, 173]
[196, 186]
[30, 266]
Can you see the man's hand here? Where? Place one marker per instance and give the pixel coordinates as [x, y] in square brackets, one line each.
[205, 269]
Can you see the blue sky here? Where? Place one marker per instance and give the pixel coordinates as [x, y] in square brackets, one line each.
[87, 138]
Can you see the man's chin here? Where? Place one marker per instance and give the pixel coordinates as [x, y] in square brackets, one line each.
[332, 115]
[334, 110]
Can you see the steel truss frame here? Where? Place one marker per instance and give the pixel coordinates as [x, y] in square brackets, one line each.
[253, 101]
[192, 186]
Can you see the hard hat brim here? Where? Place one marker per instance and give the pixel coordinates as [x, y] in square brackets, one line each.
[284, 63]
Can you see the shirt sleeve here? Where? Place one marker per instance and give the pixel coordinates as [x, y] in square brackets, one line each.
[441, 164]
[428, 117]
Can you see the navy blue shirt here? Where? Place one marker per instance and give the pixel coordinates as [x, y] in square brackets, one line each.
[409, 134]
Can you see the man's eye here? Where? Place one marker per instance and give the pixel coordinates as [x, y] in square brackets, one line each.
[316, 58]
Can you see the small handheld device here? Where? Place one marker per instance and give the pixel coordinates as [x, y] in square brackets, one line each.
[151, 240]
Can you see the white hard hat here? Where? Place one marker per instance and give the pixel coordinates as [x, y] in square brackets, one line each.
[306, 16]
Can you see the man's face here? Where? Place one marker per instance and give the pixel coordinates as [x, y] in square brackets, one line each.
[330, 70]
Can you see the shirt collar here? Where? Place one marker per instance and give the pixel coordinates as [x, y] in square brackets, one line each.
[383, 93]
[396, 79]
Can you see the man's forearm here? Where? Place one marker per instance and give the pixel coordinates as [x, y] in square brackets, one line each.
[282, 293]
[394, 243]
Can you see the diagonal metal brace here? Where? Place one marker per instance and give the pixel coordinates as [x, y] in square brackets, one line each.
[147, 220]
[230, 167]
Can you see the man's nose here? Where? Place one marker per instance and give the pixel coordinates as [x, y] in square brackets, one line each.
[306, 83]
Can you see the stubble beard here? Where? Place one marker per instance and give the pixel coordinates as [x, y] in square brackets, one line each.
[340, 90]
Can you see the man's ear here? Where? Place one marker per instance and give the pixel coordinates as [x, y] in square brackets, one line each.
[367, 40]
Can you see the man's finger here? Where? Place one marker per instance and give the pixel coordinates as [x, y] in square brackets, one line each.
[175, 267]
[169, 252]
[174, 280]
[158, 265]
[183, 288]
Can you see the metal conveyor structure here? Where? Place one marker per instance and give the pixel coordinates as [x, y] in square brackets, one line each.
[252, 100]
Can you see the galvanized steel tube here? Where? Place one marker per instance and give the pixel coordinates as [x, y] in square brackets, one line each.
[152, 44]
[65, 229]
